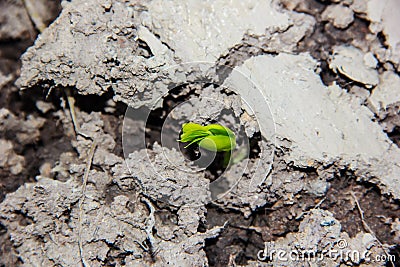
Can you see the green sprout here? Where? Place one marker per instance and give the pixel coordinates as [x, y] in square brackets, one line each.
[213, 137]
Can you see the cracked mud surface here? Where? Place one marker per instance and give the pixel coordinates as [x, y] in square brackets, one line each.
[311, 91]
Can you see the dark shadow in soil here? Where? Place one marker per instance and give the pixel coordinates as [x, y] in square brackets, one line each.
[395, 135]
[158, 116]
[52, 142]
[47, 149]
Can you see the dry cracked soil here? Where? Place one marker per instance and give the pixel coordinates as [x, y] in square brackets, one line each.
[93, 95]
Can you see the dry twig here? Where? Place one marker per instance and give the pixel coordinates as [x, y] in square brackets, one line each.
[34, 15]
[71, 104]
[82, 199]
[366, 226]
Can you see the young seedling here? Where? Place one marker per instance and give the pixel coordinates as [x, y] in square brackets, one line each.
[213, 137]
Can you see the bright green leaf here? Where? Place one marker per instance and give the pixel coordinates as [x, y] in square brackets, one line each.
[213, 137]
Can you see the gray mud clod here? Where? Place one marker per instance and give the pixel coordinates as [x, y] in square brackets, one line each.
[93, 96]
